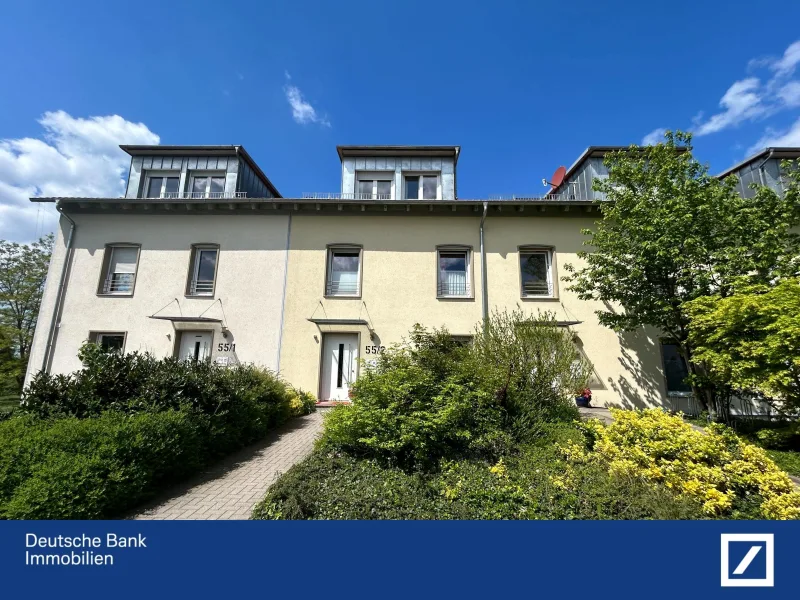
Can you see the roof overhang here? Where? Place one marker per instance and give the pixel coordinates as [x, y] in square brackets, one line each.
[781, 153]
[426, 151]
[518, 206]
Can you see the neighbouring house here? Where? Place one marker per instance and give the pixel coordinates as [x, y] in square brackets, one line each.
[203, 259]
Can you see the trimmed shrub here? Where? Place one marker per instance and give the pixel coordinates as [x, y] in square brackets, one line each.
[96, 443]
[779, 438]
[91, 468]
[725, 475]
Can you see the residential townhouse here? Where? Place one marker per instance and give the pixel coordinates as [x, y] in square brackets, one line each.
[203, 259]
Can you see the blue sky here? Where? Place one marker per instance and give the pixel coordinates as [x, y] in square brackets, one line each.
[522, 87]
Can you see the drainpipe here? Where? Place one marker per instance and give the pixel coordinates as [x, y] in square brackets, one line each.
[55, 322]
[484, 290]
[761, 166]
[283, 297]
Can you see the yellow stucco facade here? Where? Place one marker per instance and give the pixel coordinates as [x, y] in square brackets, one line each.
[399, 288]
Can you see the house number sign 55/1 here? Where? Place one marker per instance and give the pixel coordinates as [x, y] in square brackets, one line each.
[226, 347]
[375, 349]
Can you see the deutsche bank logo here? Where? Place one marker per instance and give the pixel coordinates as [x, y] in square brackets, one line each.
[748, 559]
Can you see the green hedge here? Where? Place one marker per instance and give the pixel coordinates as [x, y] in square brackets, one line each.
[96, 443]
[92, 468]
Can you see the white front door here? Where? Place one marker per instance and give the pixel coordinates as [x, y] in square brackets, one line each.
[195, 346]
[339, 362]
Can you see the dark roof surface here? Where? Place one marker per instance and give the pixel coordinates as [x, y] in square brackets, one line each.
[448, 151]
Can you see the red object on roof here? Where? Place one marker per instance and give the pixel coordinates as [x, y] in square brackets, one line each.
[558, 176]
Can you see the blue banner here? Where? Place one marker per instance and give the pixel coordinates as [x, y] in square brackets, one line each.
[538, 559]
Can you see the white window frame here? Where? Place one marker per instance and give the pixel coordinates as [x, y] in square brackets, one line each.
[467, 251]
[419, 175]
[548, 253]
[96, 337]
[108, 261]
[374, 177]
[162, 174]
[207, 175]
[197, 250]
[332, 249]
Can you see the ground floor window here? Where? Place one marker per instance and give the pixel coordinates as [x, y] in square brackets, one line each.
[675, 369]
[110, 342]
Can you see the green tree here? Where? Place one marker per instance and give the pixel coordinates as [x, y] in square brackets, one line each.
[752, 338]
[671, 233]
[23, 269]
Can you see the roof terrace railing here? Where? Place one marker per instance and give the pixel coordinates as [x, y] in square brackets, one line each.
[198, 195]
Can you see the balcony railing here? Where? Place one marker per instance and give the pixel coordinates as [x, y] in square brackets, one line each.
[118, 283]
[201, 287]
[198, 195]
[453, 289]
[342, 288]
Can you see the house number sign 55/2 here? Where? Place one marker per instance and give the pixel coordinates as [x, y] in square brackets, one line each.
[375, 349]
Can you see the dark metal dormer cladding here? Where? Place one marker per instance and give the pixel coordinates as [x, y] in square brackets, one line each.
[763, 168]
[579, 178]
[397, 173]
[195, 172]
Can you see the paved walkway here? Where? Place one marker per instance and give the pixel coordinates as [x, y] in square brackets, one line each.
[230, 488]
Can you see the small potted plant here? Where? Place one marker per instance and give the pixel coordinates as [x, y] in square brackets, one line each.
[584, 398]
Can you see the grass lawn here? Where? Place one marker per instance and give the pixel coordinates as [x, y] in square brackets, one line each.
[8, 402]
[787, 460]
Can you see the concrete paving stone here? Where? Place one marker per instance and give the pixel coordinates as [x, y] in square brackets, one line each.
[230, 489]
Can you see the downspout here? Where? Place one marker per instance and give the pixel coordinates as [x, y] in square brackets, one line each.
[283, 299]
[761, 166]
[484, 289]
[55, 322]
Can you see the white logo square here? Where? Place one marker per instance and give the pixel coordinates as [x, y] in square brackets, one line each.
[767, 542]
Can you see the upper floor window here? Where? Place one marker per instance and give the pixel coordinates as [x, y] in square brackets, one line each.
[675, 370]
[165, 186]
[453, 273]
[536, 272]
[344, 271]
[119, 269]
[421, 187]
[374, 189]
[208, 186]
[202, 270]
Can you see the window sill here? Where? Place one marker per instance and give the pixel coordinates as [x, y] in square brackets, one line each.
[115, 295]
[343, 296]
[455, 297]
[540, 298]
[200, 296]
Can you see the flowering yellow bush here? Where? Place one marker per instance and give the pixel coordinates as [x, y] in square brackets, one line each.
[728, 476]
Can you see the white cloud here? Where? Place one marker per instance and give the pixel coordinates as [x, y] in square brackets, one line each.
[654, 137]
[749, 99]
[75, 157]
[302, 111]
[742, 101]
[787, 63]
[773, 138]
[790, 94]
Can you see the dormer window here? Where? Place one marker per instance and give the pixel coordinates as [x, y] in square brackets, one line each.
[162, 186]
[208, 186]
[374, 185]
[422, 187]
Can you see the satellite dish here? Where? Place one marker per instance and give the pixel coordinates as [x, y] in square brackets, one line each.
[558, 177]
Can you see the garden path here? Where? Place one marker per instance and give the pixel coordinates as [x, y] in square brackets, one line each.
[230, 488]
